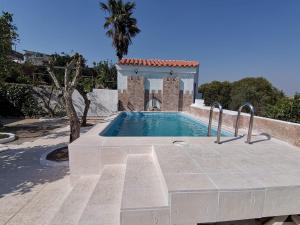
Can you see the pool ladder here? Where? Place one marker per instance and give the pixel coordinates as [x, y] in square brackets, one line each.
[215, 104]
[219, 106]
[251, 108]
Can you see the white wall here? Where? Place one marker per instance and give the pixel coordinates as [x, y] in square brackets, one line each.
[154, 76]
[103, 102]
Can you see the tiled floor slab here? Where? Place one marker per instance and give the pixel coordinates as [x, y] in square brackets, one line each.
[237, 205]
[193, 207]
[160, 216]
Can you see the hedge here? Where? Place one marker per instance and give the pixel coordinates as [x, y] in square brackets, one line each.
[18, 100]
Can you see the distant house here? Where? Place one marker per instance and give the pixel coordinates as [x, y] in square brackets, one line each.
[36, 58]
[152, 84]
[16, 56]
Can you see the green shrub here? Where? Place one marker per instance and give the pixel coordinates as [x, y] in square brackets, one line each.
[216, 91]
[18, 100]
[287, 109]
[258, 91]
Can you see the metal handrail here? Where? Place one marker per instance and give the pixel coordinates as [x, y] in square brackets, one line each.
[219, 122]
[250, 106]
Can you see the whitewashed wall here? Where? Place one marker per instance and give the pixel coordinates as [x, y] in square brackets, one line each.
[154, 76]
[103, 102]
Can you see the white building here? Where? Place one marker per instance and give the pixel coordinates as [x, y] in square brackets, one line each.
[151, 84]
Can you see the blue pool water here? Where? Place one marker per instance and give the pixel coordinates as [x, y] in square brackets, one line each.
[157, 124]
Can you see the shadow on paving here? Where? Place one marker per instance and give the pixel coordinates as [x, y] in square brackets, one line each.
[30, 130]
[21, 171]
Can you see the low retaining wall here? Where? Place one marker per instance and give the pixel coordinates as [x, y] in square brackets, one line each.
[286, 131]
[103, 102]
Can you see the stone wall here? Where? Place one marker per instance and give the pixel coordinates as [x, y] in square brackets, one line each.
[170, 96]
[286, 131]
[103, 102]
[136, 93]
[122, 100]
[187, 100]
[137, 98]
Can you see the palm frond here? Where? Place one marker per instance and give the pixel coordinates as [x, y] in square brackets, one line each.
[121, 24]
[104, 7]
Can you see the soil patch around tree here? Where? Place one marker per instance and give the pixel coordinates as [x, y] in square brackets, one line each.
[59, 155]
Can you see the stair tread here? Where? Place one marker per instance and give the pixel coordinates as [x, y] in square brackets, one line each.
[103, 207]
[73, 206]
[44, 205]
[142, 186]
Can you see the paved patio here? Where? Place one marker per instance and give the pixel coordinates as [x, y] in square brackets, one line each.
[150, 181]
[28, 188]
[190, 180]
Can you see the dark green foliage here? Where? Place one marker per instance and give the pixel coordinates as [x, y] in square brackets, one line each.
[8, 36]
[18, 100]
[266, 99]
[258, 91]
[121, 24]
[106, 75]
[286, 108]
[216, 91]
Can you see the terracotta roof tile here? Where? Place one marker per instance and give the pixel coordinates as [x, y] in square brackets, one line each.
[158, 62]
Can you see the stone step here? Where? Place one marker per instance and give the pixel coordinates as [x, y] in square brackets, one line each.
[104, 205]
[144, 200]
[43, 206]
[70, 211]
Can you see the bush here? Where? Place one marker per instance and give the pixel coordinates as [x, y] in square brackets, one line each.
[216, 91]
[258, 91]
[18, 100]
[287, 109]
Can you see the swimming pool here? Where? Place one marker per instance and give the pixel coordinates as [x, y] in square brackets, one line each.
[157, 124]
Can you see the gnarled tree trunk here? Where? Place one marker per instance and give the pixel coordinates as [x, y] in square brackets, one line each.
[87, 103]
[73, 118]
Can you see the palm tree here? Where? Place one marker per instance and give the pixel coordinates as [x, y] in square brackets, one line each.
[121, 25]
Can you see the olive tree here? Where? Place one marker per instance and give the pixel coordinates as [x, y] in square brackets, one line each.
[72, 73]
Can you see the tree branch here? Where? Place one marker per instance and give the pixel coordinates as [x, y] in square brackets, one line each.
[77, 72]
[68, 70]
[52, 74]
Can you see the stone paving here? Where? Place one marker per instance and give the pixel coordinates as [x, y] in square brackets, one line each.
[191, 180]
[23, 179]
[135, 181]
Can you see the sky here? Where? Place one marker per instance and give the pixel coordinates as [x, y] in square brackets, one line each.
[231, 39]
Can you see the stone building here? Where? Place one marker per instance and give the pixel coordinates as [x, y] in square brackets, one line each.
[151, 84]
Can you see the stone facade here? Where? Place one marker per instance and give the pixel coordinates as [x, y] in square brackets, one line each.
[187, 100]
[136, 93]
[123, 100]
[170, 96]
[137, 98]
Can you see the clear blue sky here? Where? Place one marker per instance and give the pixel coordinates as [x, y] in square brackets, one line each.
[231, 38]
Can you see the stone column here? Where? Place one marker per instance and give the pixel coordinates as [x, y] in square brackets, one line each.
[136, 93]
[187, 100]
[122, 100]
[170, 97]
